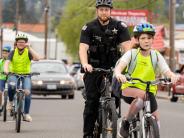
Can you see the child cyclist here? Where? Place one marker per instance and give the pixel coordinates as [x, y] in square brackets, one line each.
[134, 93]
[5, 52]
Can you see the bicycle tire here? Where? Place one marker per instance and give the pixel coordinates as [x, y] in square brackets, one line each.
[152, 129]
[19, 111]
[5, 106]
[109, 120]
[98, 124]
[96, 131]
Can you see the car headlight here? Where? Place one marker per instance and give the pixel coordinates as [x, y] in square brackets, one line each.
[37, 82]
[62, 82]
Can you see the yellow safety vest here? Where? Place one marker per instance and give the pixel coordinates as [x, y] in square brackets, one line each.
[21, 64]
[143, 70]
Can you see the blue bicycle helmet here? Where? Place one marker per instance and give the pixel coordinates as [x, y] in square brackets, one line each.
[7, 48]
[107, 3]
[144, 28]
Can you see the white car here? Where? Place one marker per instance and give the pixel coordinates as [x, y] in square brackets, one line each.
[78, 77]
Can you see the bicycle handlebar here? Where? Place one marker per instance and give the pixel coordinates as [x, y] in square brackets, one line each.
[22, 75]
[155, 82]
[107, 71]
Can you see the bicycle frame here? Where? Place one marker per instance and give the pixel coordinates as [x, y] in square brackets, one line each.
[19, 97]
[147, 105]
[5, 102]
[19, 89]
[106, 102]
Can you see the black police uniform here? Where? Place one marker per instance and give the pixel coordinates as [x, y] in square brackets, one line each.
[103, 53]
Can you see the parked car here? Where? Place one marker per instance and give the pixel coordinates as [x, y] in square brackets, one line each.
[74, 68]
[54, 79]
[78, 77]
[178, 88]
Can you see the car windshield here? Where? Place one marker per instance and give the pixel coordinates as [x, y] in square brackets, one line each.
[48, 67]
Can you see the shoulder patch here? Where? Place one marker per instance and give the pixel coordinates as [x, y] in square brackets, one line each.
[124, 24]
[84, 27]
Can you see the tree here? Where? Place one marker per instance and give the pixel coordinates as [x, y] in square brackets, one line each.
[180, 13]
[74, 17]
[9, 11]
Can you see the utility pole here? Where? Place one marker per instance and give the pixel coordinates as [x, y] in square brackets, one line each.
[17, 16]
[172, 36]
[56, 46]
[150, 14]
[46, 26]
[1, 27]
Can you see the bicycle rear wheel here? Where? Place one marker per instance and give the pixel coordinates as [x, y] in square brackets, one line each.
[19, 111]
[5, 105]
[151, 128]
[109, 120]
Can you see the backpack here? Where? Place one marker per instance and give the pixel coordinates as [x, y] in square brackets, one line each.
[133, 60]
[116, 86]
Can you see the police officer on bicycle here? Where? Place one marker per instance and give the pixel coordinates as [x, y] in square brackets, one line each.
[100, 44]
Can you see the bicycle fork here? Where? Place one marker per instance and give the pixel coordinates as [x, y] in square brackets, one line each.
[147, 114]
[19, 101]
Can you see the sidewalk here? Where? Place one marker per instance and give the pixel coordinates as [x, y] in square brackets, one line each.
[163, 95]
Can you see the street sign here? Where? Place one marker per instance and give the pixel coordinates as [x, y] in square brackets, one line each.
[130, 17]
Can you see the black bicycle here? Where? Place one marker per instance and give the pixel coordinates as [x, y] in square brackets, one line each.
[106, 124]
[145, 125]
[5, 103]
[18, 102]
[5, 100]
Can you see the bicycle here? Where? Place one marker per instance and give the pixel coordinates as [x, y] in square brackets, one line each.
[145, 125]
[5, 99]
[106, 124]
[18, 102]
[5, 102]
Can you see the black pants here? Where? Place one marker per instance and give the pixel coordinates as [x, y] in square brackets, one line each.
[92, 81]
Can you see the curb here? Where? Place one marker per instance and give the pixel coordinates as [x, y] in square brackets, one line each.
[163, 97]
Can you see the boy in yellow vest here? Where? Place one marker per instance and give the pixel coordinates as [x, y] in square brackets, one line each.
[20, 59]
[5, 52]
[134, 93]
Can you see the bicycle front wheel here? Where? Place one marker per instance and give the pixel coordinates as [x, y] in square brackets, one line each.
[19, 111]
[109, 120]
[96, 132]
[5, 105]
[151, 128]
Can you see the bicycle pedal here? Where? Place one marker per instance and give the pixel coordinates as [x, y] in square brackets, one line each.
[108, 129]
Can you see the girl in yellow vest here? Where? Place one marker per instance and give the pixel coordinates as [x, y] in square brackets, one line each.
[5, 52]
[20, 59]
[134, 93]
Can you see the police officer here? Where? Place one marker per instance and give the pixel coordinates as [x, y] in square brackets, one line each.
[99, 43]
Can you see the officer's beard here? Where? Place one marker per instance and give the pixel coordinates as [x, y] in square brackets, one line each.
[104, 20]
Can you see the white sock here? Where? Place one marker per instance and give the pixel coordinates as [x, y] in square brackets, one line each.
[158, 123]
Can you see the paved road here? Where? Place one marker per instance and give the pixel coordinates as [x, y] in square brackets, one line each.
[56, 118]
